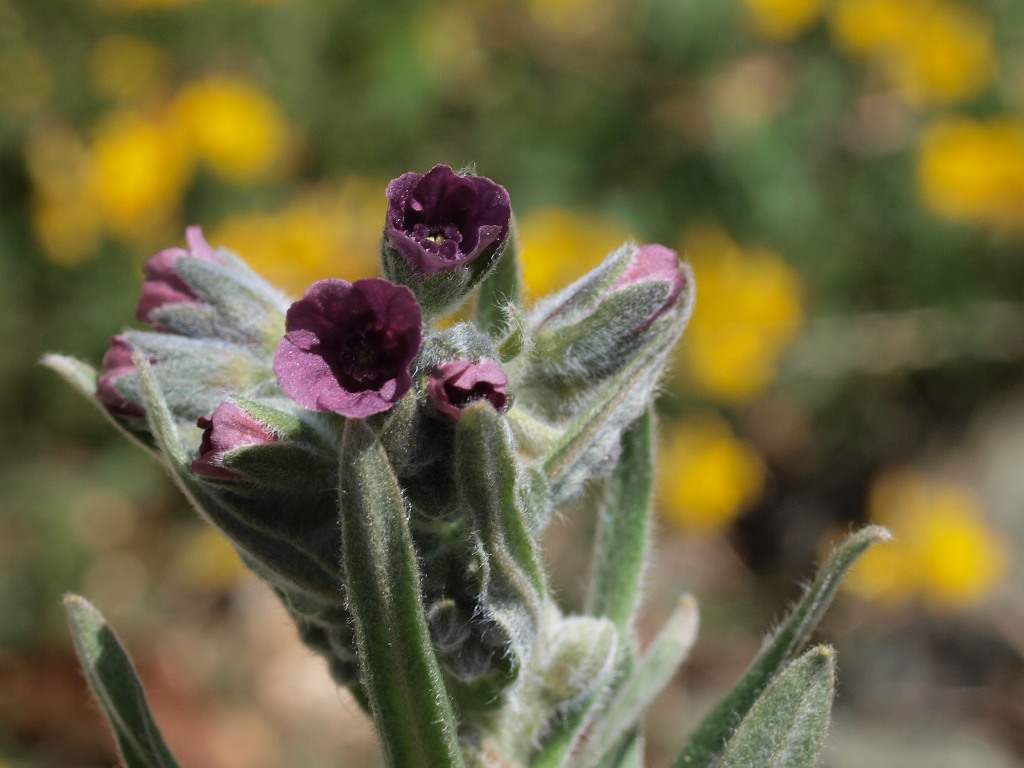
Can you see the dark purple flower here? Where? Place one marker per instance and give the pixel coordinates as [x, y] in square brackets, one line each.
[228, 428]
[654, 263]
[441, 220]
[348, 346]
[454, 385]
[163, 285]
[117, 362]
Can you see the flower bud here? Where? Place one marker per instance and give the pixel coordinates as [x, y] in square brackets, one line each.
[455, 385]
[443, 232]
[349, 346]
[163, 285]
[593, 327]
[117, 363]
[227, 429]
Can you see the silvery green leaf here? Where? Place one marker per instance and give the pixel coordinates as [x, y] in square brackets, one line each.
[786, 727]
[709, 739]
[117, 689]
[500, 290]
[399, 670]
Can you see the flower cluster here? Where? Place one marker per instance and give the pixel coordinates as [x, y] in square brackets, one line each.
[330, 424]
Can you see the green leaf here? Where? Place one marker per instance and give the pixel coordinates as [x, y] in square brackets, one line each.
[786, 727]
[715, 730]
[400, 672]
[82, 378]
[644, 683]
[624, 530]
[499, 289]
[115, 685]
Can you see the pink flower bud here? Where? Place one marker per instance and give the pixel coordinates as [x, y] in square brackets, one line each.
[228, 428]
[454, 385]
[163, 285]
[117, 362]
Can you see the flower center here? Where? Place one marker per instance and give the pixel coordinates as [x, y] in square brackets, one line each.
[364, 360]
[440, 239]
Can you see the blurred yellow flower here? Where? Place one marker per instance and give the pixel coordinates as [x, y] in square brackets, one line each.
[207, 561]
[140, 167]
[749, 308]
[782, 19]
[973, 171]
[706, 476]
[943, 550]
[25, 80]
[126, 68]
[556, 246]
[64, 216]
[234, 127]
[933, 51]
[324, 233]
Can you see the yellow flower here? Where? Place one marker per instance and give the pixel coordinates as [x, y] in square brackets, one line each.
[782, 19]
[706, 476]
[943, 551]
[126, 68]
[973, 171]
[933, 51]
[948, 58]
[872, 27]
[324, 233]
[557, 246]
[140, 167]
[749, 307]
[234, 126]
[64, 216]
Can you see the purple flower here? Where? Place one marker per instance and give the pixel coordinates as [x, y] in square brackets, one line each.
[228, 428]
[441, 220]
[163, 285]
[117, 362]
[455, 385]
[654, 263]
[348, 347]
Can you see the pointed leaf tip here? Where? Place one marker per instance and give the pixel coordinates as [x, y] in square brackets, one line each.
[113, 682]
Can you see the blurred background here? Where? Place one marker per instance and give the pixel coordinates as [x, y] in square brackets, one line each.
[846, 176]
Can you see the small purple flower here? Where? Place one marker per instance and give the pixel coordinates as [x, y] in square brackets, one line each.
[163, 285]
[653, 263]
[117, 362]
[348, 347]
[228, 428]
[455, 385]
[441, 220]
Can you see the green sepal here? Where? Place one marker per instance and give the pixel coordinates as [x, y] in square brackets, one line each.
[399, 670]
[623, 530]
[645, 680]
[717, 727]
[490, 493]
[787, 725]
[500, 290]
[441, 292]
[590, 441]
[233, 303]
[116, 686]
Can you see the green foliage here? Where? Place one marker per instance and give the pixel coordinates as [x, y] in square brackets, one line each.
[117, 689]
[786, 726]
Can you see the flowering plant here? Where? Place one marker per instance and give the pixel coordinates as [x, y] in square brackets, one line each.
[391, 479]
